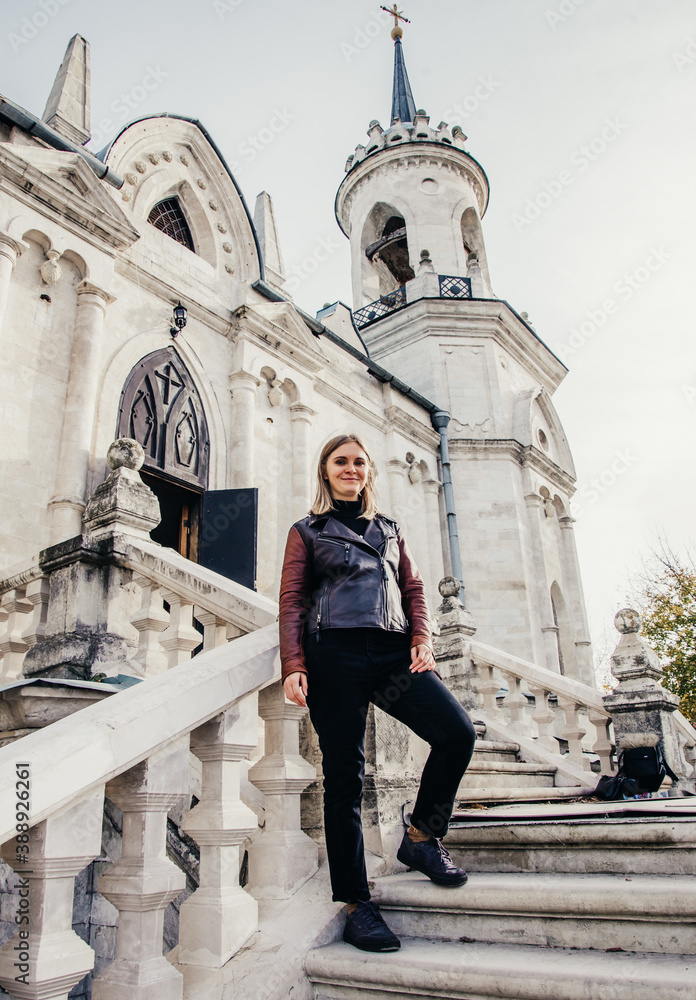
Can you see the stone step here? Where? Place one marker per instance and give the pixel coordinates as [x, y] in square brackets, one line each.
[640, 913]
[424, 969]
[495, 750]
[507, 774]
[580, 837]
[504, 795]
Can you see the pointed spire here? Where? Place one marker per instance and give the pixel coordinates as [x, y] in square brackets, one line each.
[68, 107]
[403, 105]
[267, 232]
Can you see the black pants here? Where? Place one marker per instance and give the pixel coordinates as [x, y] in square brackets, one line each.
[348, 669]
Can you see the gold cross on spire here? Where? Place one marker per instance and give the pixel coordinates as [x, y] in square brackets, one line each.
[397, 30]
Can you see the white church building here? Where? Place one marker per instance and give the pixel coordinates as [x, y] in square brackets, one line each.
[142, 299]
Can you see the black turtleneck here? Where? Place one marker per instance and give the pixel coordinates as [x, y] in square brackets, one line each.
[348, 512]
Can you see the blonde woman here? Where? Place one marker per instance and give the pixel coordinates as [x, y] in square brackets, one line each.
[355, 629]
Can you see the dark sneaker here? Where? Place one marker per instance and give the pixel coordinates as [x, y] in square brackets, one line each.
[366, 929]
[432, 860]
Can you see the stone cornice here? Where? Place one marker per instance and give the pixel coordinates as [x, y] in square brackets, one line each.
[289, 341]
[403, 422]
[349, 404]
[461, 318]
[63, 187]
[408, 156]
[525, 456]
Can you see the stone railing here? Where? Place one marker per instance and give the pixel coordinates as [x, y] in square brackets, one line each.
[135, 750]
[546, 712]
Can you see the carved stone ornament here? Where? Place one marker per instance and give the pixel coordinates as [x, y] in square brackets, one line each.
[414, 473]
[154, 158]
[140, 166]
[275, 393]
[125, 453]
[213, 204]
[50, 269]
[229, 268]
[185, 159]
[549, 509]
[131, 178]
[126, 196]
[222, 227]
[202, 183]
[166, 155]
[227, 247]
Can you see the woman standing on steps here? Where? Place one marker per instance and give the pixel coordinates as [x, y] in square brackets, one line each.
[355, 628]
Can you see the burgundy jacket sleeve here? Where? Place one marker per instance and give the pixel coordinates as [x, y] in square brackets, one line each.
[295, 591]
[413, 599]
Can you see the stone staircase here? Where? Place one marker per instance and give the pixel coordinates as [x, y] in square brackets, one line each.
[570, 901]
[498, 773]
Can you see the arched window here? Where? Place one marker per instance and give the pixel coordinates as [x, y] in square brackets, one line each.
[169, 219]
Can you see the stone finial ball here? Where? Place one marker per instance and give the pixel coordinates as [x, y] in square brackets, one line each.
[626, 621]
[125, 452]
[449, 587]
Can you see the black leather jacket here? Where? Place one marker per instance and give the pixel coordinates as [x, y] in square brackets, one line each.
[334, 578]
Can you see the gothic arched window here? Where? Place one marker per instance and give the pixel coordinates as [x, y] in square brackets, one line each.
[161, 408]
[169, 219]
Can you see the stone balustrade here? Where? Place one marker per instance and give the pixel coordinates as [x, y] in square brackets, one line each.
[135, 750]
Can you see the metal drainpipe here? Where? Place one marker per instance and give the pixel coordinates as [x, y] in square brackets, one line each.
[440, 420]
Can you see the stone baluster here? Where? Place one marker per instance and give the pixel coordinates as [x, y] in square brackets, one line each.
[283, 856]
[488, 687]
[516, 702]
[214, 628]
[301, 427]
[243, 386]
[544, 717]
[573, 731]
[180, 637]
[68, 502]
[143, 881]
[13, 645]
[150, 620]
[37, 593]
[220, 916]
[602, 746]
[58, 849]
[10, 249]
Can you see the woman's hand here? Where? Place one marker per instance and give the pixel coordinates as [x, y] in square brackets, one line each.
[296, 688]
[421, 658]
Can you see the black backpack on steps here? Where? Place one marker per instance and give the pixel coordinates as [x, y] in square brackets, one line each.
[641, 770]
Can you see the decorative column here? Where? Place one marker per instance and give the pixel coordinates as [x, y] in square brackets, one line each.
[243, 386]
[431, 492]
[396, 470]
[283, 856]
[220, 916]
[578, 615]
[301, 425]
[640, 706]
[10, 249]
[545, 652]
[51, 957]
[68, 503]
[143, 881]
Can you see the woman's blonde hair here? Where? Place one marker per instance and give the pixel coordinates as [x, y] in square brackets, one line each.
[323, 499]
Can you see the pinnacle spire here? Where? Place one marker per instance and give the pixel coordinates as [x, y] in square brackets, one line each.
[403, 105]
[68, 106]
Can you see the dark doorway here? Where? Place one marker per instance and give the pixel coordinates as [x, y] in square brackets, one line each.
[181, 512]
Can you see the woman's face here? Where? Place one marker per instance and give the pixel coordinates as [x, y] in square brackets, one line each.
[346, 471]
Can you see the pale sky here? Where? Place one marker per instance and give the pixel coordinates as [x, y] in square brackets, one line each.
[582, 113]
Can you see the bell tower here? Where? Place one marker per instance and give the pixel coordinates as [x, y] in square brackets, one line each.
[411, 204]
[412, 188]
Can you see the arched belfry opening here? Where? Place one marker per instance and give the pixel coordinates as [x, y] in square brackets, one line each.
[168, 217]
[162, 409]
[385, 243]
